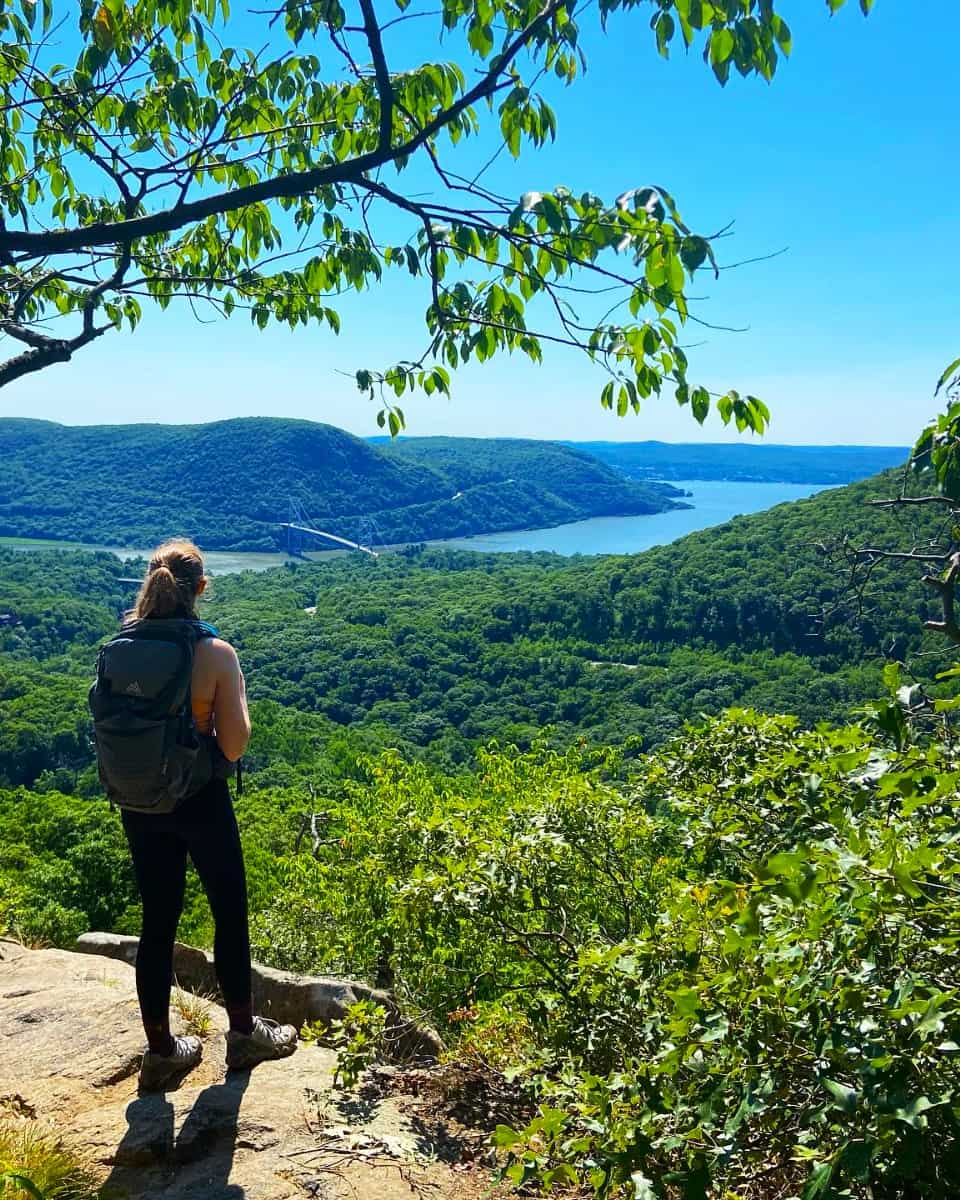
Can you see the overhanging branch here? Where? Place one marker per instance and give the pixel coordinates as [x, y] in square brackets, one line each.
[44, 350]
[901, 501]
[384, 87]
[296, 183]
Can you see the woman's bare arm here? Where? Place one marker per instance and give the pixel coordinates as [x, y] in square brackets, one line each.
[231, 717]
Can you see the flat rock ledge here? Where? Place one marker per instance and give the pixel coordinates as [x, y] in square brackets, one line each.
[70, 1046]
[288, 998]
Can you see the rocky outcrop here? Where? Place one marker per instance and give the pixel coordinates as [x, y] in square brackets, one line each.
[70, 1044]
[288, 998]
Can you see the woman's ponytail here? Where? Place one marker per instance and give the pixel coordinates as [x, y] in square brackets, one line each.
[173, 581]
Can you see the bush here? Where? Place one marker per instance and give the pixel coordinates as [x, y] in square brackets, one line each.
[734, 973]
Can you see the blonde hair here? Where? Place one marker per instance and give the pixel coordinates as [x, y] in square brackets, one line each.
[171, 584]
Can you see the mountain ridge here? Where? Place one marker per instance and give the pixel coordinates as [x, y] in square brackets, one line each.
[259, 470]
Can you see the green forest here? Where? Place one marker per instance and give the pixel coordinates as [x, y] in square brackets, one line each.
[232, 483]
[437, 652]
[559, 800]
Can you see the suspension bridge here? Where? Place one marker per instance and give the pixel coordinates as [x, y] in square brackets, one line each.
[299, 526]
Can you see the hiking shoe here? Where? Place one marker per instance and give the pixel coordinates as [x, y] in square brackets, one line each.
[268, 1040]
[156, 1070]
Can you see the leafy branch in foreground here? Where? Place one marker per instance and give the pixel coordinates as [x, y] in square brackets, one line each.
[168, 163]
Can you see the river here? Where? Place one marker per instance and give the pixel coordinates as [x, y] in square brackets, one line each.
[714, 501]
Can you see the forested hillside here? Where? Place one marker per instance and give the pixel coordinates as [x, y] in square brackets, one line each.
[655, 947]
[468, 462]
[437, 651]
[229, 484]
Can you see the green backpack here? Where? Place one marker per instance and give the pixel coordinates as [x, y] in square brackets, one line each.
[149, 753]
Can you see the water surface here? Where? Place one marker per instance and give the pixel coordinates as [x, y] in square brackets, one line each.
[714, 501]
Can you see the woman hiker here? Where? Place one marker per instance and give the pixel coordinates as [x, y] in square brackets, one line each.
[202, 825]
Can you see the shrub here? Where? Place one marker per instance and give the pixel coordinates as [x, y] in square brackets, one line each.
[34, 1162]
[734, 973]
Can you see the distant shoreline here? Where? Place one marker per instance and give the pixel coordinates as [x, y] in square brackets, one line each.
[716, 503]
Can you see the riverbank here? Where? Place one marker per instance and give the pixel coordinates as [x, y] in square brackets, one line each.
[714, 503]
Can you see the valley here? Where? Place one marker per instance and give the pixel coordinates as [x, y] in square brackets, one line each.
[233, 484]
[536, 776]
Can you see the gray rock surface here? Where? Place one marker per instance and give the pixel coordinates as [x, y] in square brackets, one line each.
[286, 997]
[70, 1044]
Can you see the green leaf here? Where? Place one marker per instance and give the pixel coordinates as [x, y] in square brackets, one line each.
[504, 1137]
[665, 28]
[948, 375]
[847, 1098]
[932, 1017]
[693, 252]
[818, 1182]
[913, 1113]
[721, 46]
[21, 1182]
[781, 31]
[686, 1001]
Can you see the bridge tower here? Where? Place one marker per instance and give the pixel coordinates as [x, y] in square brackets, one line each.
[367, 533]
[295, 516]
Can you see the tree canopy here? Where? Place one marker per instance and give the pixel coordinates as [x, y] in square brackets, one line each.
[262, 162]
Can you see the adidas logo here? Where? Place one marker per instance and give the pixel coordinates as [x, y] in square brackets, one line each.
[134, 689]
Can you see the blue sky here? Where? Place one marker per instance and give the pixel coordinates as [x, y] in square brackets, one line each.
[848, 158]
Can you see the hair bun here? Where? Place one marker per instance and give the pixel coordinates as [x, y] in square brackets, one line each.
[172, 583]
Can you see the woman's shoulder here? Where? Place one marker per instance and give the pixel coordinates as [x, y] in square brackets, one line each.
[216, 645]
[216, 652]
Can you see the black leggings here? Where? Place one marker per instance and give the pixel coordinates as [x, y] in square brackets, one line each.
[204, 827]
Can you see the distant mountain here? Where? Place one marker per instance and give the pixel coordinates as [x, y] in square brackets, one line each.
[745, 462]
[230, 484]
[568, 473]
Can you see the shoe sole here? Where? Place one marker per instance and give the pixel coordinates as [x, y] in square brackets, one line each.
[174, 1077]
[242, 1061]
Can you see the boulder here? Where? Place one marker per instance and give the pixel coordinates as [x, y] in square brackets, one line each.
[286, 997]
[70, 1045]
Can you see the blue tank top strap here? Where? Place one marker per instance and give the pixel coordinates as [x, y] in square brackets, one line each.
[205, 629]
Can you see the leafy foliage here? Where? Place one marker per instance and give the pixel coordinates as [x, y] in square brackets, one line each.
[727, 967]
[733, 963]
[166, 160]
[22, 1183]
[36, 1165]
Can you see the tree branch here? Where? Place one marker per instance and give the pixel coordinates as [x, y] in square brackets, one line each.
[384, 87]
[295, 184]
[910, 556]
[45, 350]
[945, 588]
[899, 501]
